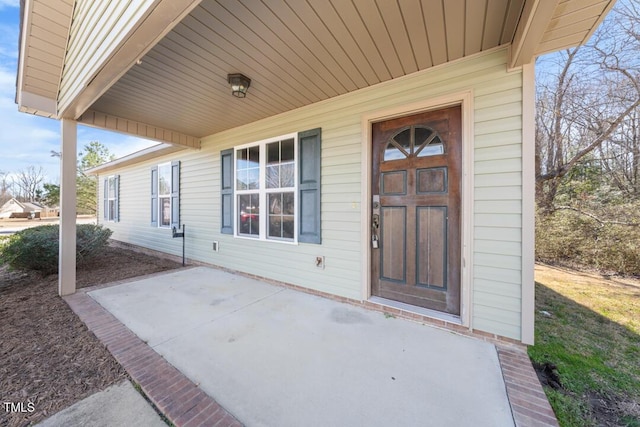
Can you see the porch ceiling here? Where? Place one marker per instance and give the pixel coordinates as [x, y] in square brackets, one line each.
[296, 53]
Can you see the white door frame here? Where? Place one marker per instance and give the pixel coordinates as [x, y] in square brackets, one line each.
[465, 100]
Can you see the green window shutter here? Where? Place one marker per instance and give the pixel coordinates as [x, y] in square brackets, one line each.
[105, 199]
[154, 196]
[309, 152]
[175, 194]
[116, 217]
[226, 191]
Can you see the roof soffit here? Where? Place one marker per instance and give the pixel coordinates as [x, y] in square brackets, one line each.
[45, 33]
[44, 29]
[153, 24]
[296, 53]
[552, 25]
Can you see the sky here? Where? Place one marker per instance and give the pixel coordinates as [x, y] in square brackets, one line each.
[27, 140]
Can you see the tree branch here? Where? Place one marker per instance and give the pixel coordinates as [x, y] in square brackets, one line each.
[598, 220]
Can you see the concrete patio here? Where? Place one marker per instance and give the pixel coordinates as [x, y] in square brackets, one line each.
[273, 356]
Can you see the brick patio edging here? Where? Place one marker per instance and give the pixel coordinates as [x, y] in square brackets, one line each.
[529, 405]
[177, 397]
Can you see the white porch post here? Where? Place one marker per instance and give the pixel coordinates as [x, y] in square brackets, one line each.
[528, 202]
[67, 260]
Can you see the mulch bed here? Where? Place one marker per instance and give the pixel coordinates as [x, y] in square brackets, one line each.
[48, 358]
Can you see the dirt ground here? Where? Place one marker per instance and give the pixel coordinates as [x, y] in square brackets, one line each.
[48, 358]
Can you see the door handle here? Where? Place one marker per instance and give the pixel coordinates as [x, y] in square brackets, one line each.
[375, 221]
[375, 224]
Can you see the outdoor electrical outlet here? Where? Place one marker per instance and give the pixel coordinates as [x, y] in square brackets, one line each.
[215, 246]
[320, 262]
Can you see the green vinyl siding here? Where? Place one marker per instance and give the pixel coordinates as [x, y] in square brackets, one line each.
[497, 274]
[497, 190]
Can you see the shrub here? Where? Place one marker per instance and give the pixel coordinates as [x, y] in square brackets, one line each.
[90, 240]
[567, 237]
[37, 248]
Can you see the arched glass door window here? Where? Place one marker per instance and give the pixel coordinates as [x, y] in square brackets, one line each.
[414, 141]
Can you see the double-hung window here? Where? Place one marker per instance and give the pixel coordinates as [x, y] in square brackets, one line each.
[280, 183]
[165, 195]
[265, 187]
[270, 190]
[248, 190]
[111, 192]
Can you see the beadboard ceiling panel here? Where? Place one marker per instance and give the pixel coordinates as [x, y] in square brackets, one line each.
[296, 53]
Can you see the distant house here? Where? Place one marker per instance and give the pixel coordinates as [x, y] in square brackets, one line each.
[380, 152]
[16, 209]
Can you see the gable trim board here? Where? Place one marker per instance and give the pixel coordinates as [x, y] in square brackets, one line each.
[493, 256]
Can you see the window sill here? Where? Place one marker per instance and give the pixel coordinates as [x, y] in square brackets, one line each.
[257, 239]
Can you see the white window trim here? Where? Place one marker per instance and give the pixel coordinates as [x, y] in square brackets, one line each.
[263, 191]
[160, 197]
[110, 199]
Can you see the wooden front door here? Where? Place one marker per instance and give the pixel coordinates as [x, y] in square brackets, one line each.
[416, 209]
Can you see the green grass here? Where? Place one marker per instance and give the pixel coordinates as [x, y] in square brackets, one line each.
[592, 336]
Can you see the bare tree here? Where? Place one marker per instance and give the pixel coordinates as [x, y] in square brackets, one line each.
[620, 157]
[28, 181]
[621, 153]
[588, 98]
[5, 184]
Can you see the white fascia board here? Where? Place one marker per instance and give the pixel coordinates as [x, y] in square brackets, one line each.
[43, 106]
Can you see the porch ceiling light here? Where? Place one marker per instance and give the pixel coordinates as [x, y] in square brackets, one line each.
[239, 84]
